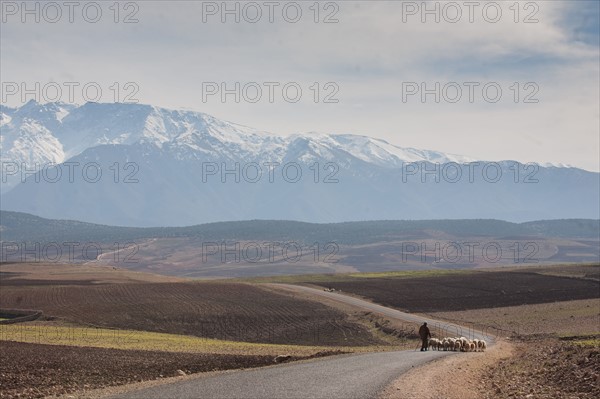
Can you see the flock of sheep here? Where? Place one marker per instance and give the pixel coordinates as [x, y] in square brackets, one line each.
[458, 344]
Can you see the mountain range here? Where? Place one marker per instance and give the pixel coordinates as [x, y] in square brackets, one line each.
[141, 165]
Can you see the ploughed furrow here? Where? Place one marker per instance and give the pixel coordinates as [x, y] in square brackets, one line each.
[477, 290]
[230, 311]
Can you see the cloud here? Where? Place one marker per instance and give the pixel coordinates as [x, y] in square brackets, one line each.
[368, 54]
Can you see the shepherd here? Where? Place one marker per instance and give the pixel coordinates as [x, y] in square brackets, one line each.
[425, 334]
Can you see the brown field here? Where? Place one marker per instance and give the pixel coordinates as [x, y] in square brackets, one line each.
[547, 350]
[556, 345]
[76, 299]
[34, 371]
[534, 306]
[545, 368]
[464, 291]
[583, 271]
[73, 274]
[227, 311]
[580, 317]
[183, 256]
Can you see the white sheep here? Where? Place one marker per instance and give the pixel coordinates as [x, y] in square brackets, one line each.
[457, 344]
[451, 343]
[482, 345]
[446, 344]
[433, 343]
[464, 344]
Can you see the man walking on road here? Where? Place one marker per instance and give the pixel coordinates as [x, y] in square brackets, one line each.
[425, 334]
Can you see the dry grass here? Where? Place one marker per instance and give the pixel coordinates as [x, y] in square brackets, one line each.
[53, 333]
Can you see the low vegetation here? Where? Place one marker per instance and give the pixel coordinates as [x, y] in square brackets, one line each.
[54, 333]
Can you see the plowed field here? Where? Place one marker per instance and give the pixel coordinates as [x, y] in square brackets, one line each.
[230, 311]
[477, 290]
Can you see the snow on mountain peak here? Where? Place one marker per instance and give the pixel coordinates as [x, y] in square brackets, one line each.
[171, 147]
[58, 131]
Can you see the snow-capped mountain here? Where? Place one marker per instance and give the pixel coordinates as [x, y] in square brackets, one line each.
[168, 167]
[55, 132]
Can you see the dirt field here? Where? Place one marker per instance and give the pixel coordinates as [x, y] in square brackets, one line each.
[524, 366]
[476, 290]
[78, 274]
[36, 371]
[553, 351]
[540, 368]
[546, 368]
[557, 318]
[558, 301]
[183, 256]
[229, 311]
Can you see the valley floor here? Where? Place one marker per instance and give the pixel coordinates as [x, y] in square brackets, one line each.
[544, 350]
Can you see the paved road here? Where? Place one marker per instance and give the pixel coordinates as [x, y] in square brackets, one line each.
[338, 377]
[451, 329]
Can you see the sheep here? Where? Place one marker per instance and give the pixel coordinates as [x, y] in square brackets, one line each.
[461, 344]
[452, 343]
[433, 343]
[457, 345]
[446, 344]
[464, 344]
[482, 345]
[468, 346]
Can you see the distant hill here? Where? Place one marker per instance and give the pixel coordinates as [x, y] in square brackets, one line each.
[270, 247]
[23, 227]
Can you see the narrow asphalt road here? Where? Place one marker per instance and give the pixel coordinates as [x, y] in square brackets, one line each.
[339, 377]
[449, 329]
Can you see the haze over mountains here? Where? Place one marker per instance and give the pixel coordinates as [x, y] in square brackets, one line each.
[278, 247]
[139, 165]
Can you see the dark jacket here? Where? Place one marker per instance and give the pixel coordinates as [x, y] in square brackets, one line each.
[424, 332]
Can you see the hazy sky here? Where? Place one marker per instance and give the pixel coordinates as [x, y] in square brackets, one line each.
[370, 57]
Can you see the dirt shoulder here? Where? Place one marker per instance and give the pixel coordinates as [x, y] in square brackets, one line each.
[425, 382]
[545, 367]
[542, 367]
